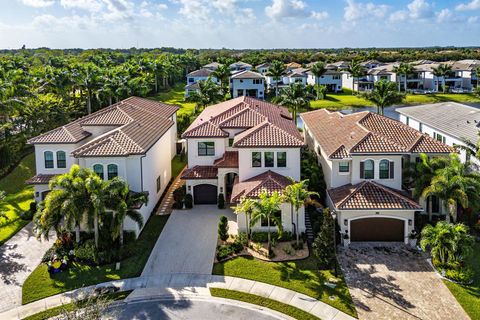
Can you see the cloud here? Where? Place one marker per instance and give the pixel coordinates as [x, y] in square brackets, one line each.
[319, 15]
[280, 9]
[38, 3]
[472, 20]
[50, 22]
[472, 5]
[88, 5]
[358, 11]
[445, 15]
[416, 10]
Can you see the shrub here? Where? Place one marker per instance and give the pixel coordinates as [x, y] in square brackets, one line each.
[261, 236]
[179, 193]
[237, 247]
[223, 228]
[221, 201]
[188, 201]
[26, 215]
[297, 247]
[33, 207]
[224, 251]
[178, 205]
[463, 276]
[324, 242]
[87, 252]
[242, 238]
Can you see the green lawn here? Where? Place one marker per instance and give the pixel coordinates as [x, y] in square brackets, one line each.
[264, 302]
[176, 95]
[301, 276]
[177, 165]
[18, 197]
[39, 284]
[469, 296]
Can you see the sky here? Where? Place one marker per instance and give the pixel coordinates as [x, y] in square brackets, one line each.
[238, 24]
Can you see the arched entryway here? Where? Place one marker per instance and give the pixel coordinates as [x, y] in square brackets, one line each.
[229, 181]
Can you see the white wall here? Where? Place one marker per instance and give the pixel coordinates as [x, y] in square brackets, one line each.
[322, 157]
[286, 220]
[247, 171]
[347, 81]
[194, 159]
[326, 79]
[40, 159]
[395, 183]
[247, 84]
[173, 135]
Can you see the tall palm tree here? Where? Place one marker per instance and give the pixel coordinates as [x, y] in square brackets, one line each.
[318, 70]
[222, 73]
[276, 71]
[441, 71]
[383, 95]
[296, 194]
[404, 69]
[89, 77]
[356, 71]
[295, 97]
[266, 208]
[97, 199]
[246, 206]
[209, 93]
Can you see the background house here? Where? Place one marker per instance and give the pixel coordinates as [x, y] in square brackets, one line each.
[247, 83]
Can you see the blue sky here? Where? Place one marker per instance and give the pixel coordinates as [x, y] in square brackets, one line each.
[238, 23]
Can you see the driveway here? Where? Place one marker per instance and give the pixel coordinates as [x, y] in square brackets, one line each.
[396, 283]
[188, 241]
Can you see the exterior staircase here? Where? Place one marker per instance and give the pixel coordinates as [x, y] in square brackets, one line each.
[309, 230]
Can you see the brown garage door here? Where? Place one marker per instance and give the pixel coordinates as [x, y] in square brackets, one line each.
[377, 229]
[205, 194]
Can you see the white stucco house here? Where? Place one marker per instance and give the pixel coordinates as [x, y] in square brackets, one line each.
[239, 148]
[240, 66]
[133, 139]
[362, 155]
[198, 75]
[298, 75]
[263, 68]
[247, 83]
[332, 79]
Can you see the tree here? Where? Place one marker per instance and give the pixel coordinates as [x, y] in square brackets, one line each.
[323, 245]
[89, 80]
[246, 206]
[209, 93]
[222, 73]
[3, 214]
[441, 71]
[383, 95]
[318, 70]
[223, 228]
[267, 208]
[356, 71]
[276, 71]
[404, 69]
[296, 194]
[295, 97]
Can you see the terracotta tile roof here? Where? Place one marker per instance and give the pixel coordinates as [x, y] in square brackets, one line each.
[200, 172]
[365, 132]
[267, 124]
[247, 74]
[369, 195]
[229, 160]
[251, 188]
[204, 72]
[40, 179]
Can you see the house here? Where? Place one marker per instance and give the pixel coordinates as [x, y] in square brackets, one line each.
[292, 65]
[263, 68]
[240, 147]
[332, 79]
[133, 139]
[198, 75]
[297, 75]
[362, 156]
[247, 83]
[371, 76]
[240, 66]
[212, 66]
[456, 123]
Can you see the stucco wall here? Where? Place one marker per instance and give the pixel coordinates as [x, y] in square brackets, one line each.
[247, 171]
[395, 183]
[194, 159]
[40, 159]
[286, 220]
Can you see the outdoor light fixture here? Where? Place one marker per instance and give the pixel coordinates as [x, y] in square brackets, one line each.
[409, 222]
[345, 222]
[189, 188]
[221, 189]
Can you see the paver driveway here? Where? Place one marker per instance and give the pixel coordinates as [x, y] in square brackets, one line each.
[187, 243]
[396, 283]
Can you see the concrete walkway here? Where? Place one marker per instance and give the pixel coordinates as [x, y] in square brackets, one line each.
[166, 205]
[19, 256]
[184, 287]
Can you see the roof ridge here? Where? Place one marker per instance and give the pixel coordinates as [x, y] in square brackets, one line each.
[128, 137]
[246, 109]
[68, 132]
[348, 197]
[393, 192]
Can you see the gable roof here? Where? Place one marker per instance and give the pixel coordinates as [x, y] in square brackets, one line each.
[212, 65]
[204, 72]
[266, 124]
[247, 74]
[365, 132]
[251, 188]
[240, 64]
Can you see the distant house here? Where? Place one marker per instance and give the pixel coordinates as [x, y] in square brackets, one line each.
[292, 65]
[198, 75]
[263, 68]
[134, 139]
[298, 75]
[247, 83]
[240, 66]
[332, 79]
[212, 66]
[448, 122]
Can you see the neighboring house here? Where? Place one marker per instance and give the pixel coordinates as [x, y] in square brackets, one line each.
[297, 75]
[332, 79]
[263, 68]
[133, 139]
[292, 65]
[195, 76]
[449, 122]
[247, 83]
[372, 75]
[362, 156]
[239, 148]
[212, 66]
[240, 66]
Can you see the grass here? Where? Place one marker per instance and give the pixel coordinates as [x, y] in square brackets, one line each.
[55, 311]
[301, 276]
[176, 95]
[264, 302]
[18, 198]
[469, 296]
[177, 165]
[40, 284]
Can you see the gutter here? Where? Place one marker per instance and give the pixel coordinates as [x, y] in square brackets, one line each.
[141, 171]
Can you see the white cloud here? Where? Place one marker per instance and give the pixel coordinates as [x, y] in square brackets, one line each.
[50, 22]
[420, 9]
[88, 5]
[286, 9]
[472, 5]
[472, 20]
[319, 15]
[38, 3]
[357, 11]
[445, 15]
[400, 15]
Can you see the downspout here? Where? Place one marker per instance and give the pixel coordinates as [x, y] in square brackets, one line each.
[141, 171]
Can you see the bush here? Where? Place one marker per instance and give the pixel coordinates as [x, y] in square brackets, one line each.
[224, 251]
[237, 247]
[297, 247]
[188, 201]
[463, 276]
[87, 252]
[242, 238]
[26, 215]
[221, 201]
[223, 228]
[324, 241]
[33, 207]
[262, 236]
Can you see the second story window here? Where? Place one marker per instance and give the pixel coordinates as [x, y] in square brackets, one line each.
[230, 142]
[98, 169]
[256, 159]
[48, 156]
[112, 170]
[61, 159]
[159, 183]
[386, 169]
[367, 169]
[281, 159]
[206, 148]
[344, 167]
[439, 137]
[269, 161]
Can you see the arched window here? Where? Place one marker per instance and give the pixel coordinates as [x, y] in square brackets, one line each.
[98, 169]
[61, 159]
[48, 156]
[367, 172]
[384, 169]
[112, 170]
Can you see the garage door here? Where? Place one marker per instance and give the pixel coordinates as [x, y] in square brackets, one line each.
[377, 229]
[205, 194]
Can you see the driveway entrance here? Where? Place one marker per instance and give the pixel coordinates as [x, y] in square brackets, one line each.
[396, 282]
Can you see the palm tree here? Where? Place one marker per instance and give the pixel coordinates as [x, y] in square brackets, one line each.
[3, 214]
[441, 71]
[384, 95]
[246, 206]
[97, 198]
[404, 69]
[356, 71]
[89, 77]
[318, 69]
[295, 97]
[455, 184]
[296, 194]
[222, 73]
[209, 93]
[276, 71]
[266, 208]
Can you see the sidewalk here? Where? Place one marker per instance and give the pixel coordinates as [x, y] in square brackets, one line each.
[165, 206]
[184, 287]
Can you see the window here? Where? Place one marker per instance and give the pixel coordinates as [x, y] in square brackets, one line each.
[48, 155]
[230, 142]
[206, 148]
[344, 166]
[256, 159]
[257, 81]
[407, 121]
[98, 169]
[112, 170]
[420, 127]
[61, 159]
[191, 80]
[336, 77]
[439, 137]
[159, 184]
[264, 221]
[367, 169]
[282, 159]
[384, 169]
[269, 159]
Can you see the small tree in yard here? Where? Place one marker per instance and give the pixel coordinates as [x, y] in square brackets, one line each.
[223, 228]
[323, 245]
[221, 201]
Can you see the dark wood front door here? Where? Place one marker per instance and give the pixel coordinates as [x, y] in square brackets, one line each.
[377, 229]
[205, 194]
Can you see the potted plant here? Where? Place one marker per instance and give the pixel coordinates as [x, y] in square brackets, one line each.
[412, 238]
[346, 239]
